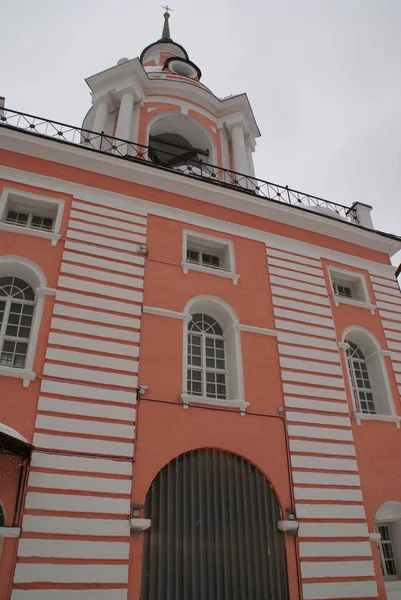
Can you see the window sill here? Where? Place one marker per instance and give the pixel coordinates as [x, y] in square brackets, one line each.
[10, 532]
[340, 300]
[186, 266]
[25, 374]
[187, 400]
[386, 418]
[47, 235]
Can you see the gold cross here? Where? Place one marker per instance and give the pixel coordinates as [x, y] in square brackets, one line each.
[167, 9]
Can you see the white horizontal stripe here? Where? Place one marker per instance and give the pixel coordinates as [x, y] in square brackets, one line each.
[299, 296]
[330, 511]
[83, 236]
[308, 329]
[316, 418]
[107, 222]
[303, 306]
[392, 307]
[300, 352]
[300, 268]
[87, 427]
[95, 316]
[72, 526]
[386, 297]
[327, 494]
[99, 288]
[51, 573]
[95, 330]
[322, 448]
[79, 463]
[354, 568]
[396, 366]
[398, 378]
[51, 594]
[79, 483]
[107, 231]
[301, 285]
[387, 290]
[292, 257]
[113, 255]
[303, 317]
[92, 360]
[62, 388]
[89, 446]
[317, 281]
[393, 316]
[323, 433]
[393, 345]
[300, 390]
[325, 478]
[312, 379]
[334, 549]
[74, 341]
[50, 548]
[333, 530]
[100, 263]
[98, 209]
[306, 340]
[87, 409]
[389, 281]
[346, 589]
[319, 405]
[322, 462]
[101, 303]
[74, 503]
[392, 335]
[76, 374]
[98, 275]
[310, 365]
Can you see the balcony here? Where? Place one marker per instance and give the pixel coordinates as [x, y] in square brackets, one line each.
[186, 167]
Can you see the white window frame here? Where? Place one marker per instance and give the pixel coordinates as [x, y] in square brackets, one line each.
[350, 279]
[19, 200]
[27, 270]
[391, 543]
[389, 513]
[375, 359]
[228, 320]
[222, 247]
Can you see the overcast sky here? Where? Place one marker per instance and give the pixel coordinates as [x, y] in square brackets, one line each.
[323, 78]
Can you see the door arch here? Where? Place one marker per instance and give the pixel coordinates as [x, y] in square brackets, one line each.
[213, 533]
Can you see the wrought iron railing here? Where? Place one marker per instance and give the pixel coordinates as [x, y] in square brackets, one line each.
[173, 162]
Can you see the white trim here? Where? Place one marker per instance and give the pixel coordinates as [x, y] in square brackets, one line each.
[340, 300]
[47, 235]
[339, 275]
[260, 330]
[187, 400]
[188, 266]
[165, 312]
[10, 532]
[386, 418]
[139, 525]
[25, 374]
[375, 537]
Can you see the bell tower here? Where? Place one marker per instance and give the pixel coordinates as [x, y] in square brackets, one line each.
[158, 108]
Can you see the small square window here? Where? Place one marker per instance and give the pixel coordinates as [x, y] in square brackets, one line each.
[203, 253]
[348, 286]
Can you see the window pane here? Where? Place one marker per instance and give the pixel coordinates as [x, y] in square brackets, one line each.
[17, 218]
[44, 223]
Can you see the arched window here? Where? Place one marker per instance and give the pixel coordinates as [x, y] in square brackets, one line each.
[361, 385]
[17, 303]
[206, 375]
[388, 525]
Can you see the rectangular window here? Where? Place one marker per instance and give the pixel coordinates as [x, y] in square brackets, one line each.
[387, 553]
[348, 286]
[203, 258]
[29, 219]
[345, 291]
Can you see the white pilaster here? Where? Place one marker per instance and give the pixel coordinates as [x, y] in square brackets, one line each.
[249, 151]
[124, 121]
[239, 149]
[99, 123]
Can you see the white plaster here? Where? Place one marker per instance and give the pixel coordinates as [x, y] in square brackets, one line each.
[330, 511]
[95, 330]
[298, 285]
[90, 375]
[51, 594]
[99, 275]
[87, 409]
[302, 417]
[316, 405]
[292, 258]
[188, 266]
[391, 291]
[112, 255]
[320, 478]
[354, 568]
[392, 307]
[333, 530]
[76, 526]
[305, 493]
[259, 330]
[298, 276]
[307, 340]
[323, 433]
[107, 232]
[302, 306]
[62, 388]
[346, 589]
[95, 316]
[90, 287]
[83, 236]
[101, 303]
[101, 263]
[71, 573]
[310, 365]
[320, 462]
[334, 549]
[385, 314]
[107, 212]
[84, 426]
[50, 548]
[313, 392]
[299, 296]
[72, 503]
[322, 448]
[299, 267]
[79, 463]
[84, 445]
[303, 317]
[165, 312]
[79, 483]
[108, 222]
[93, 360]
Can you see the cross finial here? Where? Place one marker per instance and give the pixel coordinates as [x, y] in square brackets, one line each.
[166, 29]
[168, 10]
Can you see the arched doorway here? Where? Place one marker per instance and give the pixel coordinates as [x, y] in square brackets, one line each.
[213, 533]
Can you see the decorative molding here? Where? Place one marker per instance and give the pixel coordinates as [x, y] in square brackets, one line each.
[25, 374]
[47, 235]
[187, 400]
[46, 291]
[187, 266]
[340, 300]
[260, 330]
[386, 418]
[165, 312]
[10, 532]
[343, 345]
[375, 537]
[139, 525]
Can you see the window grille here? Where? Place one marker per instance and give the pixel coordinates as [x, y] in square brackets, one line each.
[29, 219]
[206, 374]
[345, 291]
[360, 380]
[386, 550]
[203, 258]
[16, 314]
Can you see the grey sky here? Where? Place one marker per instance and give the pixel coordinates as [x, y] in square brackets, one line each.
[323, 77]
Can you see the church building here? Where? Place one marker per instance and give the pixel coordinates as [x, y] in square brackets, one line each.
[200, 370]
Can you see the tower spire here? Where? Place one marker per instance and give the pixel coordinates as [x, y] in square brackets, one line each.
[166, 27]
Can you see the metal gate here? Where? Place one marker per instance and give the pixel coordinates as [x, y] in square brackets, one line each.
[214, 532]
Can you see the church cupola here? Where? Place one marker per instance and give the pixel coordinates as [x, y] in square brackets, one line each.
[160, 111]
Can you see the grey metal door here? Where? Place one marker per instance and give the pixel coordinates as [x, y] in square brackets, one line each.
[213, 534]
